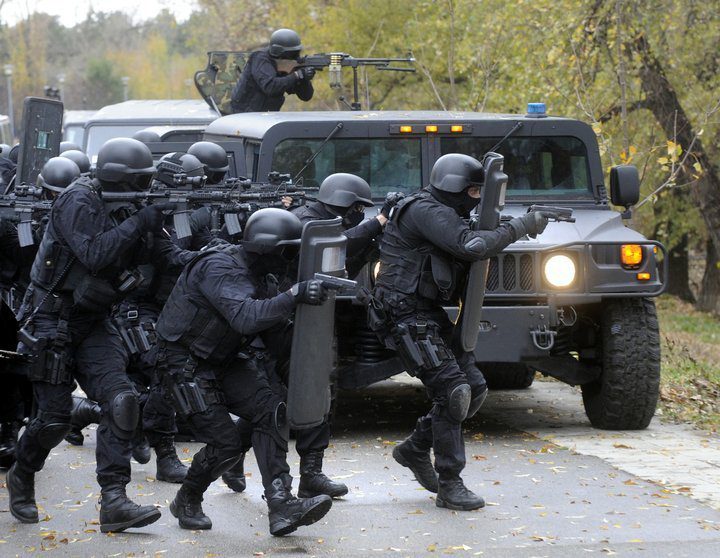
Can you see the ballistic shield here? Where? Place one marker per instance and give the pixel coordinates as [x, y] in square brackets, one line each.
[322, 250]
[487, 217]
[41, 136]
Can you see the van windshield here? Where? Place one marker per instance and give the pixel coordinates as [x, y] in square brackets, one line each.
[537, 167]
[388, 164]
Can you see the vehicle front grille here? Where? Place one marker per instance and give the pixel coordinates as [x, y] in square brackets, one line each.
[511, 273]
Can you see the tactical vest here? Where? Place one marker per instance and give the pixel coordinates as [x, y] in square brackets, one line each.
[412, 270]
[194, 323]
[55, 261]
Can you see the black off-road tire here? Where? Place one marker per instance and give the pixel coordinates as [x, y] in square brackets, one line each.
[626, 394]
[507, 375]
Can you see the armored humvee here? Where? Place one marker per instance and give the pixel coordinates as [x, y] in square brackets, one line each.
[575, 303]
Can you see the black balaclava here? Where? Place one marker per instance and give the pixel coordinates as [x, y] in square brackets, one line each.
[461, 202]
[351, 216]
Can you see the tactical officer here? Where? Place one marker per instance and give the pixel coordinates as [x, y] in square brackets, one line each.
[79, 158]
[340, 195]
[270, 73]
[425, 253]
[223, 301]
[86, 261]
[214, 159]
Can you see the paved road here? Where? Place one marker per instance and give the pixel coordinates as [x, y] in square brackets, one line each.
[554, 487]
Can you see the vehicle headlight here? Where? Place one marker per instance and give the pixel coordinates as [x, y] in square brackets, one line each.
[559, 270]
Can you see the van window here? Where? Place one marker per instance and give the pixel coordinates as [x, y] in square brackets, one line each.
[388, 164]
[536, 167]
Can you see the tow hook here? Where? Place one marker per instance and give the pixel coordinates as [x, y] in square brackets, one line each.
[543, 338]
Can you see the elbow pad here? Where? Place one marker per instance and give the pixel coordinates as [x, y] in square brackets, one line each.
[476, 246]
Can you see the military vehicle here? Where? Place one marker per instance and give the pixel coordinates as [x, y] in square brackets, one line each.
[124, 119]
[74, 125]
[574, 303]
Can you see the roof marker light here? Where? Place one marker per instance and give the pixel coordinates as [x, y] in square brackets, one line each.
[405, 129]
[457, 129]
[431, 129]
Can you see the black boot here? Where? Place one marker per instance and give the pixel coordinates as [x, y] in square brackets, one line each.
[313, 481]
[21, 487]
[118, 512]
[414, 453]
[453, 494]
[235, 476]
[141, 448]
[187, 507]
[286, 513]
[8, 441]
[169, 467]
[84, 412]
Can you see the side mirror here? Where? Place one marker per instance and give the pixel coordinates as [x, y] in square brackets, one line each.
[624, 185]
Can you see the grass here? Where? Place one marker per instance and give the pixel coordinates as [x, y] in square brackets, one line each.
[690, 382]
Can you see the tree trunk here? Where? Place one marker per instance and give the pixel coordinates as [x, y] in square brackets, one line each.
[678, 269]
[665, 106]
[709, 299]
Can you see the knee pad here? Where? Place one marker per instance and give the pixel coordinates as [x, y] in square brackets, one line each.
[459, 402]
[476, 402]
[51, 429]
[124, 414]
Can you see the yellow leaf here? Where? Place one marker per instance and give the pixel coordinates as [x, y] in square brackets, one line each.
[597, 128]
[698, 167]
[432, 547]
[632, 149]
[663, 160]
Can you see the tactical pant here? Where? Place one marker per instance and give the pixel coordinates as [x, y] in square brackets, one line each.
[439, 428]
[97, 360]
[244, 389]
[307, 440]
[158, 414]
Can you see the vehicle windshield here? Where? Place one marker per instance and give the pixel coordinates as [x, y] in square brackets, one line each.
[537, 167]
[74, 133]
[388, 164]
[99, 134]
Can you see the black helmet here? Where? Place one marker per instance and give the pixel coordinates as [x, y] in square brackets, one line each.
[213, 157]
[79, 158]
[180, 163]
[68, 145]
[4, 150]
[285, 43]
[454, 172]
[345, 190]
[57, 174]
[147, 136]
[268, 230]
[125, 161]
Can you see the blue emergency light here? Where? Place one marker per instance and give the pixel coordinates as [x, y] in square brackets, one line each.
[536, 110]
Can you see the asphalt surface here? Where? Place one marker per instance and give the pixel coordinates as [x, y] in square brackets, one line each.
[547, 494]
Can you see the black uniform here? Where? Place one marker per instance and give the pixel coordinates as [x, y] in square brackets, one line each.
[214, 312]
[425, 254]
[85, 262]
[360, 235]
[261, 89]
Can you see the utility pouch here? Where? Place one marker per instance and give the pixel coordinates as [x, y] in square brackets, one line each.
[188, 398]
[94, 294]
[30, 341]
[50, 366]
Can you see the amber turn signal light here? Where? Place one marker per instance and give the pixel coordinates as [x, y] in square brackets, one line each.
[643, 276]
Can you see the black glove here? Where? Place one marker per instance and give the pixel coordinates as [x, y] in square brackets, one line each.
[531, 224]
[309, 292]
[391, 200]
[151, 216]
[306, 72]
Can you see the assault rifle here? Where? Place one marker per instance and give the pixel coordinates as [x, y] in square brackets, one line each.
[24, 208]
[231, 203]
[335, 61]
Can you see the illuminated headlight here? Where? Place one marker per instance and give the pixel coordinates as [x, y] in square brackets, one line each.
[559, 270]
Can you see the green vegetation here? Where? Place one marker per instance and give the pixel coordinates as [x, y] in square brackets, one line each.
[690, 388]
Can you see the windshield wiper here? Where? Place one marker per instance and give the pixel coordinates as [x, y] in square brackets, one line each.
[514, 129]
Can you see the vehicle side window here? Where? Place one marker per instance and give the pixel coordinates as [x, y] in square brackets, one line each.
[251, 158]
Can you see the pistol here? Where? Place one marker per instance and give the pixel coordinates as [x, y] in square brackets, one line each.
[335, 283]
[558, 213]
